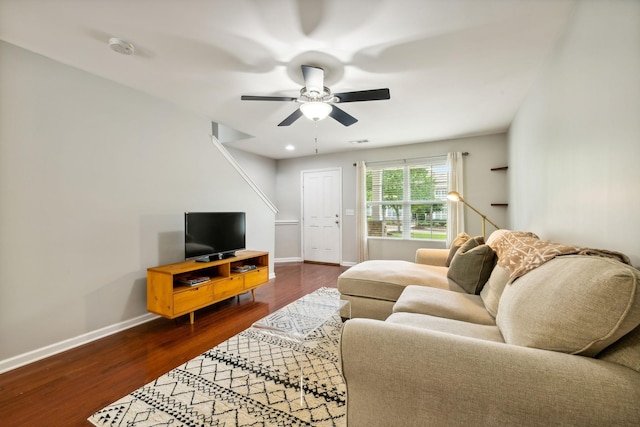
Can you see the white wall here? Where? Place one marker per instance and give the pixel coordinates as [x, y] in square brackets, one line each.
[575, 143]
[261, 170]
[482, 187]
[94, 180]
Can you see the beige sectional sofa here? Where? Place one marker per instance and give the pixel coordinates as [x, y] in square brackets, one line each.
[551, 338]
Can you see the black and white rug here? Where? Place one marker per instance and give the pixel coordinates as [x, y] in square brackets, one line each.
[252, 379]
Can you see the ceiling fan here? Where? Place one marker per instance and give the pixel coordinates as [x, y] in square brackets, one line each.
[317, 101]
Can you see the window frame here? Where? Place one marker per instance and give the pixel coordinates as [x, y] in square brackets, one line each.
[438, 174]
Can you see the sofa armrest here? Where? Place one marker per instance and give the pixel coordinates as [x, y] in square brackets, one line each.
[399, 375]
[437, 257]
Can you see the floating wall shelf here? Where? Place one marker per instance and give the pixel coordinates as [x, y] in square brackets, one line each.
[501, 168]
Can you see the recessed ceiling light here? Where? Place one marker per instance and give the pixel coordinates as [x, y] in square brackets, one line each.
[290, 147]
[121, 46]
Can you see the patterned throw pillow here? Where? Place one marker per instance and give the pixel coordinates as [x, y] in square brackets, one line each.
[460, 239]
[472, 265]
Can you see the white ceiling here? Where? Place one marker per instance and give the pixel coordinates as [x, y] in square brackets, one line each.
[454, 68]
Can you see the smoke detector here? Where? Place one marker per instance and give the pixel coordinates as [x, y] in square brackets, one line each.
[121, 46]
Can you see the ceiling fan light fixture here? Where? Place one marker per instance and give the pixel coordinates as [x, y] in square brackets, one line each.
[316, 100]
[315, 110]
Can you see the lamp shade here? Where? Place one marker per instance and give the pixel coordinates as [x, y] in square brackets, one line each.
[454, 196]
[316, 110]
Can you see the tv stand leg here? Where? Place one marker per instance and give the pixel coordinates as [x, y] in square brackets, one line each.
[253, 294]
[191, 317]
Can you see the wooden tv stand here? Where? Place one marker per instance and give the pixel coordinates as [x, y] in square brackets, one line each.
[169, 297]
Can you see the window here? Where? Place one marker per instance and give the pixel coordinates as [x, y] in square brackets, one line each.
[408, 199]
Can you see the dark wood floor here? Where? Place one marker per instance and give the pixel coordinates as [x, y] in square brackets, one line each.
[65, 389]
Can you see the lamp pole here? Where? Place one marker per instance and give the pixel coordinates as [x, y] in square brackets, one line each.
[483, 216]
[456, 197]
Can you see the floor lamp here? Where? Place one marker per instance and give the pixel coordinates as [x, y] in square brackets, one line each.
[456, 197]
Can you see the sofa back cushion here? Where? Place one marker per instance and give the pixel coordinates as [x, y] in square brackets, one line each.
[625, 351]
[492, 290]
[472, 265]
[574, 304]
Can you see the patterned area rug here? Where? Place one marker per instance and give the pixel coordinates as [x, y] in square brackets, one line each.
[252, 379]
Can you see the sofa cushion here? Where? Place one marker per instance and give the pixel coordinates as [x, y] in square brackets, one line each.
[625, 351]
[573, 304]
[457, 243]
[443, 303]
[370, 308]
[449, 326]
[386, 279]
[432, 256]
[492, 290]
[472, 265]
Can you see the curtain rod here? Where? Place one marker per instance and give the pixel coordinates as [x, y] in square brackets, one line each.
[464, 153]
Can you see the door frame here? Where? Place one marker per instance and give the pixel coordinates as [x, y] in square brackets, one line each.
[302, 196]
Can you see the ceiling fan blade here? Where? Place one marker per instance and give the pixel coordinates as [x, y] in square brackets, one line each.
[342, 116]
[292, 118]
[267, 98]
[313, 78]
[363, 95]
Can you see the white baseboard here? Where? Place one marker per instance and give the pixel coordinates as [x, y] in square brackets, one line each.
[279, 260]
[50, 350]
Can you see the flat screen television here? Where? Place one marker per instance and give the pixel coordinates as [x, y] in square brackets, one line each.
[213, 235]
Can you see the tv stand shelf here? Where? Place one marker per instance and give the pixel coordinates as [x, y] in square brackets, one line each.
[169, 296]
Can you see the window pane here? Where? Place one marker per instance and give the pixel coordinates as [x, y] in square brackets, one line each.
[429, 221]
[408, 200]
[387, 222]
[421, 184]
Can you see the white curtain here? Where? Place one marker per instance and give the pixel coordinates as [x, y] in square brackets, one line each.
[361, 211]
[455, 218]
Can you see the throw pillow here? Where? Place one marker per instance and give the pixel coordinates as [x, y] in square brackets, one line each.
[460, 239]
[471, 266]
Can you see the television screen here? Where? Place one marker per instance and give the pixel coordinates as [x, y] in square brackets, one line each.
[213, 234]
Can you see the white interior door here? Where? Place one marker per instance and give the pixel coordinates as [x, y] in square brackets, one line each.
[321, 220]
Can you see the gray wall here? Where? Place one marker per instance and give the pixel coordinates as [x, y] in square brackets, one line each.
[94, 180]
[575, 143]
[261, 170]
[482, 187]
